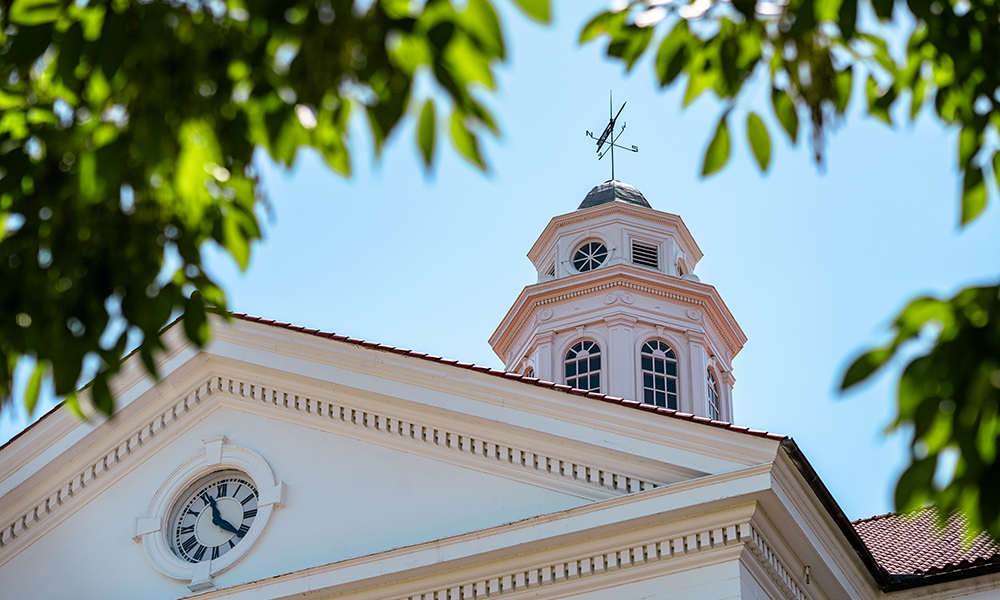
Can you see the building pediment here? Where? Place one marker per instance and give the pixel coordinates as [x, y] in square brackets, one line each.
[418, 439]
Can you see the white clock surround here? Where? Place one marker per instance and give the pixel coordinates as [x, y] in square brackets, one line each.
[153, 529]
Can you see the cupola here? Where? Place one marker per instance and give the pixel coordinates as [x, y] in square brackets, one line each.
[617, 309]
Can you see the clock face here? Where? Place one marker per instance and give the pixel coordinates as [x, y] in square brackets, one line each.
[213, 516]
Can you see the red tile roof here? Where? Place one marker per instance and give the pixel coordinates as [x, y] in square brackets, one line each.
[514, 376]
[914, 544]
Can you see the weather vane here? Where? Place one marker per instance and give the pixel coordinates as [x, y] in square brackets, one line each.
[606, 143]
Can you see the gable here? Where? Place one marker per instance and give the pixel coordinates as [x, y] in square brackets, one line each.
[378, 451]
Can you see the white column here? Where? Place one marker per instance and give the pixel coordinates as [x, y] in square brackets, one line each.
[726, 383]
[620, 364]
[545, 367]
[695, 398]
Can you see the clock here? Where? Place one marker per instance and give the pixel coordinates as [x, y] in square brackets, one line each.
[213, 516]
[209, 513]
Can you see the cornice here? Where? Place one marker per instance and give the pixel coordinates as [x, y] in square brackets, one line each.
[535, 466]
[625, 277]
[596, 212]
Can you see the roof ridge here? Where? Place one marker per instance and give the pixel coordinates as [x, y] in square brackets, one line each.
[514, 377]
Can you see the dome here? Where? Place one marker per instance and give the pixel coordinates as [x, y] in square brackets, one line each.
[613, 191]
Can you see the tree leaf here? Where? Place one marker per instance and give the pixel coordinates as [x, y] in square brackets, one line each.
[973, 194]
[784, 109]
[883, 9]
[844, 81]
[426, 133]
[847, 18]
[717, 154]
[629, 43]
[864, 366]
[996, 167]
[539, 10]
[672, 55]
[465, 141]
[760, 141]
[31, 392]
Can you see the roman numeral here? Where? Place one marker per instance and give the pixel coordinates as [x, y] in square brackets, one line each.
[191, 512]
[247, 499]
[231, 544]
[215, 553]
[188, 529]
[222, 490]
[189, 543]
[199, 553]
[243, 530]
[237, 491]
[249, 514]
[204, 498]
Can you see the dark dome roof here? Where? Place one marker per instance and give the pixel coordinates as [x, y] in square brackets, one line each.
[613, 191]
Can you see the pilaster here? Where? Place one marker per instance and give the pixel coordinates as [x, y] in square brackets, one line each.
[545, 363]
[694, 396]
[620, 362]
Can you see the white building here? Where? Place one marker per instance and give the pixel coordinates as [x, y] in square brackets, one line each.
[282, 462]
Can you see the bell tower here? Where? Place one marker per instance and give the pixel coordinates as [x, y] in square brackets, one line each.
[617, 309]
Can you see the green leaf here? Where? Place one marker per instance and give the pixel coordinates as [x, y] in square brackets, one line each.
[629, 43]
[879, 104]
[465, 141]
[34, 12]
[883, 9]
[917, 96]
[672, 55]
[864, 366]
[760, 141]
[31, 392]
[847, 18]
[539, 10]
[784, 109]
[426, 133]
[111, 45]
[996, 167]
[195, 321]
[973, 194]
[717, 154]
[844, 81]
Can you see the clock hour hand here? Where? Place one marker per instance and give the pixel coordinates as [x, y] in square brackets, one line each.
[219, 521]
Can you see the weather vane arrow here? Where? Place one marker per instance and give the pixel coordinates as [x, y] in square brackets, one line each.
[608, 140]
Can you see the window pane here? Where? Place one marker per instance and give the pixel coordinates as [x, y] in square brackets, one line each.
[647, 396]
[658, 364]
[660, 399]
[595, 382]
[595, 363]
[647, 363]
[570, 369]
[673, 402]
[647, 381]
[672, 386]
[659, 383]
[672, 369]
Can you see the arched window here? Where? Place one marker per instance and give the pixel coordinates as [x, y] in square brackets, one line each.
[583, 366]
[713, 398]
[530, 372]
[659, 375]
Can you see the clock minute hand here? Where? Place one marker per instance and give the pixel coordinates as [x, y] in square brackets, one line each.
[219, 521]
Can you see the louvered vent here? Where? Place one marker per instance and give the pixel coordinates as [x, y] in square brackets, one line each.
[552, 270]
[646, 255]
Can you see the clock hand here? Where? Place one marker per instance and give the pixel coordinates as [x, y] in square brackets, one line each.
[219, 521]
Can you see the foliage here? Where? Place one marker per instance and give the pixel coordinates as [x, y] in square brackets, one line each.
[127, 131]
[808, 52]
[951, 399]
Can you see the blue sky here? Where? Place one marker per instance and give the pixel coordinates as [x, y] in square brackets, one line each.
[813, 263]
